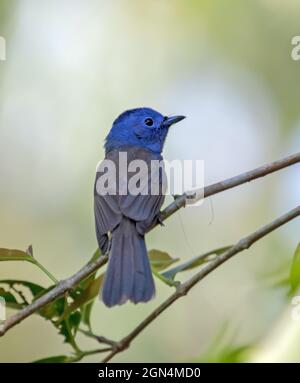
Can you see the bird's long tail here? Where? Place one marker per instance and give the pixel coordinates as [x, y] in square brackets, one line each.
[128, 276]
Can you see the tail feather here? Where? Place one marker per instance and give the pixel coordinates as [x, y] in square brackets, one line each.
[127, 263]
[128, 276]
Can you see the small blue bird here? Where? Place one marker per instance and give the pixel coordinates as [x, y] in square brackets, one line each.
[122, 219]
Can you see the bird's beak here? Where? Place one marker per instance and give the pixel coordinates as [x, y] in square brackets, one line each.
[168, 121]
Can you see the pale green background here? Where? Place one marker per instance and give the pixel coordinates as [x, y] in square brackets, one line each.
[71, 68]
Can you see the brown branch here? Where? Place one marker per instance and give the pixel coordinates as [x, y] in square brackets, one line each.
[64, 286]
[185, 287]
[60, 289]
[232, 182]
[98, 338]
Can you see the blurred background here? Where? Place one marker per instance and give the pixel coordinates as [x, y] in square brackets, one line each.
[71, 67]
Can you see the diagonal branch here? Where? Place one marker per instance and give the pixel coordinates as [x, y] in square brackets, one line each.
[60, 289]
[185, 287]
[98, 338]
[64, 286]
[232, 182]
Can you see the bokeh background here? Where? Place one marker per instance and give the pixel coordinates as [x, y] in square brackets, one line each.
[71, 68]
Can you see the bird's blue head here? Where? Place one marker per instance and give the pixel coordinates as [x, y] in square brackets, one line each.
[143, 127]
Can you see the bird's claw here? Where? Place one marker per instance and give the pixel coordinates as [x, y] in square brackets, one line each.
[176, 196]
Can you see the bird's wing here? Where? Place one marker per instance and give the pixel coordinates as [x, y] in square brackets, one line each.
[107, 212]
[143, 207]
[106, 206]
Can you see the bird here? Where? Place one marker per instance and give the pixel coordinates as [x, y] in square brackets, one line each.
[122, 219]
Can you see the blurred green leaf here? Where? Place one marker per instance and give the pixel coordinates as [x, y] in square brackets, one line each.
[83, 284]
[65, 313]
[160, 260]
[295, 271]
[229, 354]
[53, 310]
[278, 277]
[54, 359]
[168, 282]
[68, 328]
[86, 314]
[85, 296]
[86, 308]
[282, 282]
[194, 262]
[223, 350]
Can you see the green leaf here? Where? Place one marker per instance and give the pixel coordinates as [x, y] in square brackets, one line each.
[194, 262]
[54, 359]
[68, 328]
[223, 350]
[295, 271]
[83, 284]
[86, 314]
[53, 310]
[10, 300]
[34, 288]
[85, 296]
[13, 293]
[160, 260]
[165, 280]
[276, 277]
[230, 354]
[19, 255]
[89, 285]
[80, 308]
[15, 255]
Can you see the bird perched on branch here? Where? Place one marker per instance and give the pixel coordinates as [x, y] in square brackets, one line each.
[122, 217]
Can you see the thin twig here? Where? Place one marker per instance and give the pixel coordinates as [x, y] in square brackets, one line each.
[98, 338]
[66, 285]
[185, 287]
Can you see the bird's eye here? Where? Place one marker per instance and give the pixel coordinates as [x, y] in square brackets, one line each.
[149, 121]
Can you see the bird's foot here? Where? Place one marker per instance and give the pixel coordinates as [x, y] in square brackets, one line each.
[176, 198]
[159, 219]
